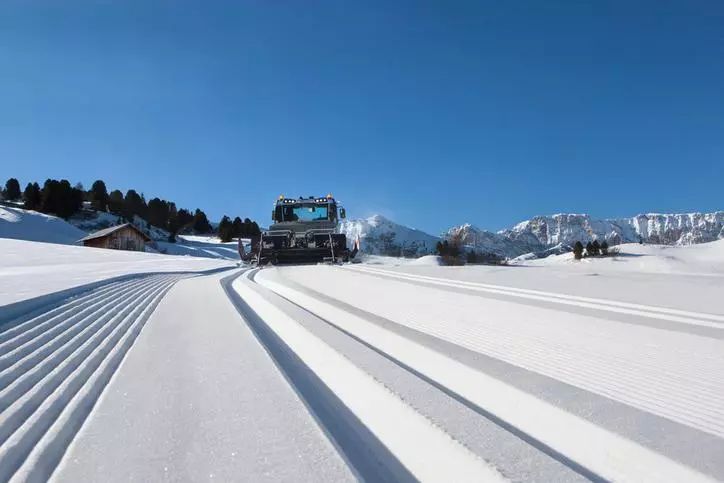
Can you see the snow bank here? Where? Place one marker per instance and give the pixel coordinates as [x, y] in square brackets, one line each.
[30, 269]
[433, 260]
[706, 258]
[20, 224]
[367, 259]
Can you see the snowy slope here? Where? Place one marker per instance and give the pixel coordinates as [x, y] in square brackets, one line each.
[20, 224]
[30, 269]
[704, 258]
[380, 236]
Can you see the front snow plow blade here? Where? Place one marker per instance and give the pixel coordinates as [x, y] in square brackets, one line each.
[277, 249]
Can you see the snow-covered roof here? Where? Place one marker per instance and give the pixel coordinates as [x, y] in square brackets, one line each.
[107, 231]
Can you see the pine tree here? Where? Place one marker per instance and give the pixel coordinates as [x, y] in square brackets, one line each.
[201, 224]
[12, 190]
[589, 249]
[134, 204]
[99, 196]
[604, 248]
[238, 230]
[158, 212]
[226, 229]
[173, 224]
[255, 230]
[248, 228]
[60, 198]
[596, 248]
[115, 202]
[185, 220]
[31, 196]
[578, 250]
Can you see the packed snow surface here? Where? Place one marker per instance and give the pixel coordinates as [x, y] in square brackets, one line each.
[647, 346]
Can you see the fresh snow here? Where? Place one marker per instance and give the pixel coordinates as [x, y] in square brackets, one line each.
[31, 269]
[705, 258]
[20, 224]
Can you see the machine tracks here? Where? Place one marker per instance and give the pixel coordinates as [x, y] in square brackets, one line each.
[685, 388]
[471, 407]
[54, 364]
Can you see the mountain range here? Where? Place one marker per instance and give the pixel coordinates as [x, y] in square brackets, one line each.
[540, 235]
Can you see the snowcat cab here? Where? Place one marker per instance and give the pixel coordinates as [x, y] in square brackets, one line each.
[304, 230]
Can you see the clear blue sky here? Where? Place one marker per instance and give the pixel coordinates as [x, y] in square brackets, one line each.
[433, 113]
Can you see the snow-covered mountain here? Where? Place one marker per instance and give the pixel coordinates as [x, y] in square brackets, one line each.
[488, 241]
[551, 234]
[380, 236]
[665, 229]
[538, 237]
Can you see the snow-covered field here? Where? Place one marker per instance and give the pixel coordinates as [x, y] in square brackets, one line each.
[31, 269]
[551, 370]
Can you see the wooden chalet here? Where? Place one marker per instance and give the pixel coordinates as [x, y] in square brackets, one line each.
[120, 237]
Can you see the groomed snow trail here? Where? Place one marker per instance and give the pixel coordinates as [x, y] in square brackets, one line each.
[677, 376]
[655, 372]
[54, 364]
[322, 373]
[426, 451]
[199, 398]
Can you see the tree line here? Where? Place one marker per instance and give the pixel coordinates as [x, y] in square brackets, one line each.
[62, 199]
[229, 230]
[593, 249]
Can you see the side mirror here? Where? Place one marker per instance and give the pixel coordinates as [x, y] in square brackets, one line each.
[342, 213]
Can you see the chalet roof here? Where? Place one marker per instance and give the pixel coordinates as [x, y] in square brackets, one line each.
[107, 231]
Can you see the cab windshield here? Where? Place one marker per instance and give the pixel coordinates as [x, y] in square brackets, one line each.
[305, 212]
